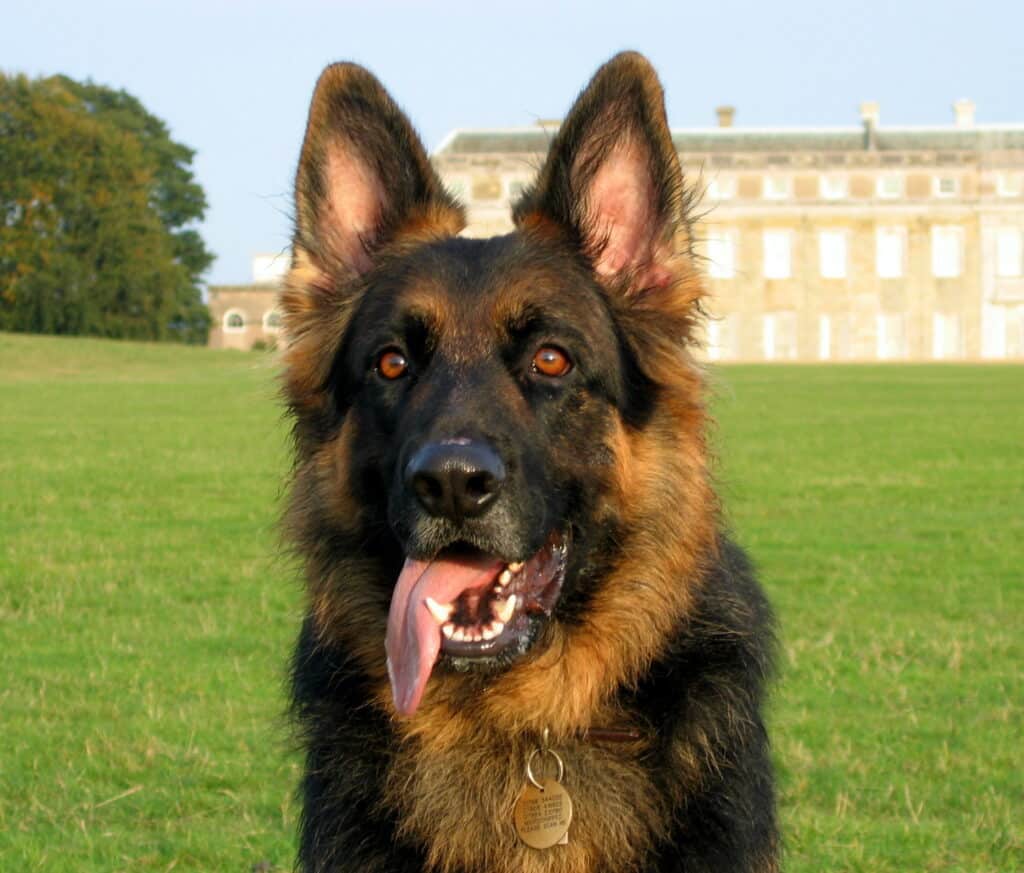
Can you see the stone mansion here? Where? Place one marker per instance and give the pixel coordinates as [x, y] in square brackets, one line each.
[855, 243]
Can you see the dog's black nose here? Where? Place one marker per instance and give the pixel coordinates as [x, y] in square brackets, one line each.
[455, 479]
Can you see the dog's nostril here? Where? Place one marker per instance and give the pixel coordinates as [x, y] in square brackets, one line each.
[427, 487]
[480, 486]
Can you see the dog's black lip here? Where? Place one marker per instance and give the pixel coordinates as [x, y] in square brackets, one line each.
[462, 548]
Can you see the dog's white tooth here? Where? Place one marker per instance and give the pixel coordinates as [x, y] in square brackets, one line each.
[503, 609]
[448, 629]
[516, 566]
[440, 613]
[459, 635]
[486, 633]
[477, 636]
[505, 577]
[496, 628]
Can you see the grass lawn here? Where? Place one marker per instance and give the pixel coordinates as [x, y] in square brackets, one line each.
[146, 617]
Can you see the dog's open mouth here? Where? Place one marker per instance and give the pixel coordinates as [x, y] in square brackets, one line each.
[467, 605]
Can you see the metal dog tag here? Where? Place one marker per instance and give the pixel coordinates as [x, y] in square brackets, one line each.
[543, 812]
[542, 815]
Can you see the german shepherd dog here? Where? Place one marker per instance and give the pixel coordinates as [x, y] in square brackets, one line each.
[530, 645]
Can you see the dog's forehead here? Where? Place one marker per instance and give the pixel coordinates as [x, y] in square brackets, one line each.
[472, 292]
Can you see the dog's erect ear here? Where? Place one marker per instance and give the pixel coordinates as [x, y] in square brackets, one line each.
[364, 178]
[612, 179]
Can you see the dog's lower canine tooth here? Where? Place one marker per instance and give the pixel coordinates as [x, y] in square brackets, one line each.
[503, 609]
[441, 613]
[448, 629]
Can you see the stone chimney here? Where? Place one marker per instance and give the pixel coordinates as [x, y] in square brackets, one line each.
[869, 115]
[963, 112]
[725, 114]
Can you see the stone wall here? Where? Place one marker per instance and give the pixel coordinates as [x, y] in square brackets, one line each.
[243, 316]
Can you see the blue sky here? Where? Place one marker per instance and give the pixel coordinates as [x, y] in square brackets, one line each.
[233, 78]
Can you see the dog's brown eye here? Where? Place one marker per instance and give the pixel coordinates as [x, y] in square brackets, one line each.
[551, 361]
[392, 364]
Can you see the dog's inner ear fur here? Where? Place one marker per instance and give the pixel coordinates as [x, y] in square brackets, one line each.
[352, 208]
[612, 179]
[619, 222]
[364, 177]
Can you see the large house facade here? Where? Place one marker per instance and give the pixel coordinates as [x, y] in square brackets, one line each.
[859, 243]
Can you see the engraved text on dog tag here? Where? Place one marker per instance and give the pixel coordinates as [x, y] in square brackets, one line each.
[542, 815]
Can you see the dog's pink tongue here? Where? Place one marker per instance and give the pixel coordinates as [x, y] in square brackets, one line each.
[414, 638]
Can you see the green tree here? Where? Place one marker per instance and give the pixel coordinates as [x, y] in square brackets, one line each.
[96, 208]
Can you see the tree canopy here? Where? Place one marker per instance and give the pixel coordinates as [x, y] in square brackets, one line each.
[97, 213]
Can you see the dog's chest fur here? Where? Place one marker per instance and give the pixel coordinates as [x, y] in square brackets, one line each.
[455, 788]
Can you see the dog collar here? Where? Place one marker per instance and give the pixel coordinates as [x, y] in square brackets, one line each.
[613, 734]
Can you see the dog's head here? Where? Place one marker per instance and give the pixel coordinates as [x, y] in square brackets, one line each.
[482, 424]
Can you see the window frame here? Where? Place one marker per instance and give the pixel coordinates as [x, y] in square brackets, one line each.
[783, 324]
[230, 328]
[785, 191]
[947, 336]
[1012, 252]
[824, 337]
[833, 234]
[722, 268]
[898, 232]
[721, 188]
[883, 194]
[952, 232]
[841, 192]
[781, 234]
[271, 328]
[891, 336]
[1009, 184]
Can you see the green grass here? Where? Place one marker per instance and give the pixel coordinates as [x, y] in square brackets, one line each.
[885, 508]
[146, 618]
